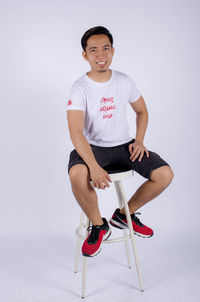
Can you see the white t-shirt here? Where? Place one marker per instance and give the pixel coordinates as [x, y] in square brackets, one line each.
[104, 105]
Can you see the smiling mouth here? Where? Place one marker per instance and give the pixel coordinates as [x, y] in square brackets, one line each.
[102, 63]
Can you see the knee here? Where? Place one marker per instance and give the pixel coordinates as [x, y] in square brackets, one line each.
[163, 175]
[78, 174]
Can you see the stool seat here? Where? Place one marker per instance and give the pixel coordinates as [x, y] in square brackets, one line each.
[116, 176]
[120, 175]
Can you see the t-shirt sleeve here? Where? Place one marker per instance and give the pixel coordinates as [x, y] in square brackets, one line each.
[76, 99]
[134, 92]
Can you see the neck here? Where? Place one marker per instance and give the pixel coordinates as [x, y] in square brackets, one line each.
[100, 77]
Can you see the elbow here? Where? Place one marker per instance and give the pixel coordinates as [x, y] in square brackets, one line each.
[143, 113]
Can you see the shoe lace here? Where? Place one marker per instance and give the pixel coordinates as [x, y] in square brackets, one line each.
[94, 234]
[136, 219]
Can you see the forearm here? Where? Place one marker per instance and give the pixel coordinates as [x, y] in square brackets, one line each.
[141, 126]
[84, 149]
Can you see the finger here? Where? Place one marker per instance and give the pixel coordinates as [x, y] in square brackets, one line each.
[134, 152]
[141, 156]
[102, 186]
[96, 185]
[136, 156]
[130, 147]
[106, 183]
[109, 179]
[147, 152]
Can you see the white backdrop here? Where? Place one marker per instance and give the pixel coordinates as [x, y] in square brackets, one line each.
[157, 44]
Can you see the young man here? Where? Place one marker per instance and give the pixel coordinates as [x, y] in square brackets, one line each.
[96, 112]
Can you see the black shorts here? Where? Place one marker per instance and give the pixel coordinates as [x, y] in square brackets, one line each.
[117, 159]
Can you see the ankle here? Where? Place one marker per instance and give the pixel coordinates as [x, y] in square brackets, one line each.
[98, 222]
[122, 211]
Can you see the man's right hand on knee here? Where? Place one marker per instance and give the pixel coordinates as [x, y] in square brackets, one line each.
[100, 178]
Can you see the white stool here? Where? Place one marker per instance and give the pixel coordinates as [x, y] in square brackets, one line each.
[82, 228]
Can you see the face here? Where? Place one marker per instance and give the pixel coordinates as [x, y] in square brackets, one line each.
[99, 53]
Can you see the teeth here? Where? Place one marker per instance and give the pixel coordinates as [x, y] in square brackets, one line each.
[101, 62]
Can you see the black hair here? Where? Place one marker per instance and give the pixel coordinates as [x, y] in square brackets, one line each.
[98, 30]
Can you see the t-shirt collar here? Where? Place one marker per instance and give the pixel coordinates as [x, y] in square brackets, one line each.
[99, 83]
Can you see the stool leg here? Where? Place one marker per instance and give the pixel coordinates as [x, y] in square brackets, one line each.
[124, 231]
[84, 264]
[79, 232]
[123, 196]
[127, 248]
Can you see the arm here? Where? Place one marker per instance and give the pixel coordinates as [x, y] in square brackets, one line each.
[98, 175]
[137, 148]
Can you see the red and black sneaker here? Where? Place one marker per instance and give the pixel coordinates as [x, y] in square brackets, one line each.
[92, 244]
[119, 221]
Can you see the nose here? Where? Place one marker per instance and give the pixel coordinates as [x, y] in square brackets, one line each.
[100, 54]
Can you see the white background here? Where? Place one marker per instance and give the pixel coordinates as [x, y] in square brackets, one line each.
[157, 44]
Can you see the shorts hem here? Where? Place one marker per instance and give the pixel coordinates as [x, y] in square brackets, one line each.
[76, 163]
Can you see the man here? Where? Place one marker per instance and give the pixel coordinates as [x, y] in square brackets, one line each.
[96, 112]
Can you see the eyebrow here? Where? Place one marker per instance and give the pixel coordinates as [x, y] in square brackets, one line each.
[94, 47]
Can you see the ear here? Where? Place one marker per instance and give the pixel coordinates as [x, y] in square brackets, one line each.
[113, 51]
[84, 56]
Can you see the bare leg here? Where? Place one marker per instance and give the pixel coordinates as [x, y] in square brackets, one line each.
[159, 180]
[85, 193]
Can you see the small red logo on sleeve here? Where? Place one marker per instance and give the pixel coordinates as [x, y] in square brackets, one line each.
[69, 103]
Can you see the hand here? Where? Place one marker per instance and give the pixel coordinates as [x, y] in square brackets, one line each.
[100, 177]
[137, 149]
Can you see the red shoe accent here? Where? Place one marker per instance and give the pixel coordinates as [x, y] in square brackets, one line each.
[143, 230]
[92, 244]
[140, 229]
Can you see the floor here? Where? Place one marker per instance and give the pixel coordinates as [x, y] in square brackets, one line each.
[41, 269]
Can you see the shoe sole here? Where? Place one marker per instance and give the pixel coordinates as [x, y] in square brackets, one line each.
[105, 237]
[121, 226]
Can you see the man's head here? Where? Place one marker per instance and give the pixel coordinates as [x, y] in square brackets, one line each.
[98, 50]
[98, 30]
